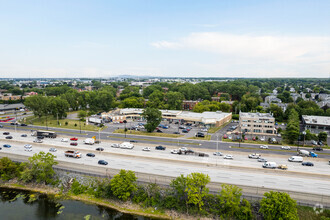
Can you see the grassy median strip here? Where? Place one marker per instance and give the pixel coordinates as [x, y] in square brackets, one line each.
[155, 134]
[215, 129]
[143, 139]
[257, 148]
[63, 123]
[206, 138]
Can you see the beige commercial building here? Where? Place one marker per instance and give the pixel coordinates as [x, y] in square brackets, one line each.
[257, 123]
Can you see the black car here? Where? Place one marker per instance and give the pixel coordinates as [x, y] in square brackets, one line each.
[307, 164]
[199, 134]
[320, 143]
[14, 123]
[160, 147]
[6, 133]
[24, 135]
[9, 137]
[102, 162]
[90, 155]
[133, 141]
[99, 149]
[176, 132]
[159, 131]
[23, 124]
[318, 148]
[40, 137]
[74, 143]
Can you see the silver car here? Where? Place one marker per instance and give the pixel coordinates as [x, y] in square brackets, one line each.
[52, 149]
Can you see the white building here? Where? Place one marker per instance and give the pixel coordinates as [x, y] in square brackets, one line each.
[316, 124]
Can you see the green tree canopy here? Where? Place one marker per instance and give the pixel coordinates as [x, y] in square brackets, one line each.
[123, 184]
[153, 117]
[196, 188]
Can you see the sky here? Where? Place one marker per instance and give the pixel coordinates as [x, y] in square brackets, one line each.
[167, 38]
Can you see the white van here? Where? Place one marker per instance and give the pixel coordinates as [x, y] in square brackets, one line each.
[126, 145]
[28, 147]
[296, 159]
[89, 141]
[271, 165]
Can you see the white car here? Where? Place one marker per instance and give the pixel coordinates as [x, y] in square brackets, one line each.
[263, 147]
[64, 140]
[52, 149]
[28, 147]
[286, 148]
[230, 137]
[175, 151]
[183, 149]
[146, 149]
[37, 141]
[228, 156]
[204, 130]
[254, 156]
[262, 139]
[217, 154]
[115, 145]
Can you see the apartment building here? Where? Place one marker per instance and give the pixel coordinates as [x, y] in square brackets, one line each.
[257, 123]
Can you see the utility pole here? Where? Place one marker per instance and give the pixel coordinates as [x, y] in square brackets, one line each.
[99, 135]
[15, 119]
[80, 125]
[216, 159]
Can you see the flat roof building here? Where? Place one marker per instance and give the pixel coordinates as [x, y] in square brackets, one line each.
[257, 123]
[316, 124]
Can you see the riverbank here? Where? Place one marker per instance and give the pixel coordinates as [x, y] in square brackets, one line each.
[124, 207]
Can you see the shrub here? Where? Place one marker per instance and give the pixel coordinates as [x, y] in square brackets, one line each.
[66, 123]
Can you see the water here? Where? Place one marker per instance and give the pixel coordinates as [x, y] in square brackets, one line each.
[17, 205]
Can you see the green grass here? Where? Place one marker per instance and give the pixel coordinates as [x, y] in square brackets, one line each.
[307, 213]
[143, 139]
[207, 137]
[248, 142]
[52, 122]
[156, 134]
[215, 129]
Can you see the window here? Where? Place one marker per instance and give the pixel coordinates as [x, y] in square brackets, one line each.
[269, 131]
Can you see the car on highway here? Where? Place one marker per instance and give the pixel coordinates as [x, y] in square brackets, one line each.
[9, 137]
[23, 124]
[286, 148]
[28, 147]
[0, 148]
[318, 148]
[102, 162]
[146, 149]
[282, 167]
[217, 154]
[228, 156]
[160, 148]
[264, 147]
[37, 140]
[74, 143]
[14, 123]
[133, 141]
[90, 155]
[99, 149]
[7, 146]
[307, 164]
[24, 135]
[174, 151]
[52, 149]
[6, 133]
[115, 145]
[262, 160]
[64, 140]
[73, 139]
[183, 149]
[254, 156]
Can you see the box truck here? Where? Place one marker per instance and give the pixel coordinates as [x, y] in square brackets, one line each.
[89, 141]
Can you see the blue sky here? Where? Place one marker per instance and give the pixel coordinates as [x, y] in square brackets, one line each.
[228, 38]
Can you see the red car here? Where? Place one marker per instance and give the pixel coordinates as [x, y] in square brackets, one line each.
[225, 136]
[74, 139]
[74, 143]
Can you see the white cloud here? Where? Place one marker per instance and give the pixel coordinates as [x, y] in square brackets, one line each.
[251, 48]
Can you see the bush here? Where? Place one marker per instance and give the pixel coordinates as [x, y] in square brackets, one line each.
[75, 124]
[77, 188]
[66, 123]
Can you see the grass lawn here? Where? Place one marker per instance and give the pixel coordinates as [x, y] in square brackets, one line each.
[52, 122]
[207, 137]
[308, 213]
[215, 129]
[248, 142]
[121, 131]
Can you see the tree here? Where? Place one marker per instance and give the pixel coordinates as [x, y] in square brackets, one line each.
[153, 117]
[123, 184]
[40, 168]
[179, 186]
[277, 112]
[174, 100]
[292, 130]
[196, 188]
[229, 199]
[8, 169]
[132, 102]
[57, 107]
[323, 136]
[82, 115]
[278, 205]
[37, 104]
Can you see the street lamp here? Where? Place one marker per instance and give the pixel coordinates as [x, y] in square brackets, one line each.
[216, 159]
[304, 133]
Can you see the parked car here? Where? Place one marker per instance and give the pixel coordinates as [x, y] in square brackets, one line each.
[90, 155]
[230, 137]
[204, 130]
[217, 154]
[64, 140]
[318, 148]
[146, 149]
[7, 146]
[228, 156]
[262, 139]
[74, 143]
[9, 137]
[6, 133]
[264, 147]
[182, 127]
[320, 143]
[286, 148]
[52, 149]
[262, 160]
[314, 142]
[102, 162]
[225, 136]
[176, 132]
[99, 149]
[73, 139]
[307, 164]
[160, 148]
[159, 131]
[23, 124]
[185, 131]
[199, 134]
[24, 135]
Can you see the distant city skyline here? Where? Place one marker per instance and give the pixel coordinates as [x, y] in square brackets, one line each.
[92, 39]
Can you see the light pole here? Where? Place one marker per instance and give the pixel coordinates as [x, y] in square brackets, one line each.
[216, 159]
[15, 119]
[304, 133]
[99, 135]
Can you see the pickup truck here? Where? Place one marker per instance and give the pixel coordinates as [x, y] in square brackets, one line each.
[282, 167]
[72, 153]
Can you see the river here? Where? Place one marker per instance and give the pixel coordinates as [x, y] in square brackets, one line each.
[17, 205]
